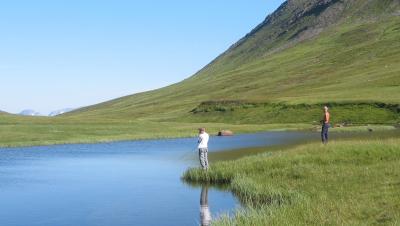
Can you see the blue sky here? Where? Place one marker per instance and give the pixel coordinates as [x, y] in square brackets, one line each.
[70, 53]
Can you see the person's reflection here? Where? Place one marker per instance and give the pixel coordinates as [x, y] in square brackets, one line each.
[205, 215]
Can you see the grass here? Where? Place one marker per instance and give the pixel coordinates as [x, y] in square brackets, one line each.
[349, 182]
[342, 113]
[28, 131]
[343, 133]
[371, 128]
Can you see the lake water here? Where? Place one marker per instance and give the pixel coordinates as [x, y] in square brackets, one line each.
[120, 183]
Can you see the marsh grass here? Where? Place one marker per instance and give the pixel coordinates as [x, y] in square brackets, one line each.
[350, 182]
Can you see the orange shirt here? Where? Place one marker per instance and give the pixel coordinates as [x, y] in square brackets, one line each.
[327, 117]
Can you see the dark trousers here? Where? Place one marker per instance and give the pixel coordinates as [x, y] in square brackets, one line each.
[324, 133]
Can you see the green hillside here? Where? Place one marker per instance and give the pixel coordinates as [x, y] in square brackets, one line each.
[306, 53]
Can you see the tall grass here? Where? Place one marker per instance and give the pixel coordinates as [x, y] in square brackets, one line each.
[352, 182]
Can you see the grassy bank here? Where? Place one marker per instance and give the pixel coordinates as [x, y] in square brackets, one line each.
[248, 112]
[349, 182]
[28, 131]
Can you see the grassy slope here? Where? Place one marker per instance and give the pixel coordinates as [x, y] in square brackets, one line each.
[355, 61]
[342, 113]
[353, 182]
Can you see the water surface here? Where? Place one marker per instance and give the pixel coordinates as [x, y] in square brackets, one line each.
[120, 183]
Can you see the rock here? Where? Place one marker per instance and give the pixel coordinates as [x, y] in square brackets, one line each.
[225, 133]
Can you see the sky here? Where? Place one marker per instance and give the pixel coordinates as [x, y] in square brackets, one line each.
[57, 54]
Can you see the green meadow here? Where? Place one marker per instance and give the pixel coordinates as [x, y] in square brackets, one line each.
[28, 131]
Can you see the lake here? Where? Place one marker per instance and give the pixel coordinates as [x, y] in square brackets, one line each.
[119, 183]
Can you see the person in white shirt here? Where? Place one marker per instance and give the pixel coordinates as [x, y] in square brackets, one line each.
[203, 148]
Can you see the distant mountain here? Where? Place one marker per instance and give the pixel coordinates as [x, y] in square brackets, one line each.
[61, 111]
[29, 112]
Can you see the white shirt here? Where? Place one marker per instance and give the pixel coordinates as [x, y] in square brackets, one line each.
[205, 216]
[203, 140]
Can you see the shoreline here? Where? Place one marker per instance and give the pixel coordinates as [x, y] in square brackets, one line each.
[45, 144]
[244, 130]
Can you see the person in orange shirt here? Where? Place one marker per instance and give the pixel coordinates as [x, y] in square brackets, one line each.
[325, 125]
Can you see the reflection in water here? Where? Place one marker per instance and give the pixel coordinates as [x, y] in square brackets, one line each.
[205, 215]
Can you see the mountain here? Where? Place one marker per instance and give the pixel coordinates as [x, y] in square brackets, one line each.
[305, 54]
[59, 112]
[29, 112]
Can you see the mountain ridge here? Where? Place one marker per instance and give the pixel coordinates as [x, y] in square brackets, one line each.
[329, 12]
[339, 48]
